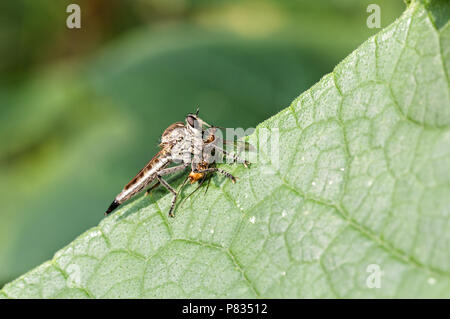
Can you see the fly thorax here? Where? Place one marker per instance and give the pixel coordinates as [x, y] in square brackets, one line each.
[180, 151]
[196, 144]
[173, 134]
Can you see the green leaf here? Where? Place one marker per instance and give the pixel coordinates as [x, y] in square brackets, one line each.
[355, 189]
[64, 113]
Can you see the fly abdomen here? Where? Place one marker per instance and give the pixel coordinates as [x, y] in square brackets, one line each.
[141, 180]
[112, 207]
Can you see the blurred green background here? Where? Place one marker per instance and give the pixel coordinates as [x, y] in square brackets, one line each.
[81, 110]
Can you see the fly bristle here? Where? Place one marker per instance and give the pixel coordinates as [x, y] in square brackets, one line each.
[112, 207]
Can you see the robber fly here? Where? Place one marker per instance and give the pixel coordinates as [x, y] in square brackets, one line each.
[186, 145]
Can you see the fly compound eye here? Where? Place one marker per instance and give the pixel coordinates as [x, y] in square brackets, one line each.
[190, 119]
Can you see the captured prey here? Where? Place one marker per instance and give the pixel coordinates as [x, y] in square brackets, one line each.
[193, 145]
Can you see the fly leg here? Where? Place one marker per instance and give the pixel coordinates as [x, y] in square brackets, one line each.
[152, 188]
[198, 187]
[170, 189]
[207, 185]
[166, 171]
[216, 169]
[236, 158]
